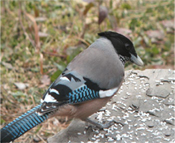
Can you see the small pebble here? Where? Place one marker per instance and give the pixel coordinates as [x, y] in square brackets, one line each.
[36, 139]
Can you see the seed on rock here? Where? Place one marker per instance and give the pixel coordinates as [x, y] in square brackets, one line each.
[150, 124]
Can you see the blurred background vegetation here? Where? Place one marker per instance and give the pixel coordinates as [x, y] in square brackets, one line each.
[39, 38]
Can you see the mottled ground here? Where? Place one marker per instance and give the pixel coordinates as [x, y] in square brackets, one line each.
[143, 111]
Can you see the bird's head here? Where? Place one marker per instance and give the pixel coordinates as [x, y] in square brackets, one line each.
[124, 47]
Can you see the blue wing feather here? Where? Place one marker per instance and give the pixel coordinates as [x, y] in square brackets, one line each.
[82, 94]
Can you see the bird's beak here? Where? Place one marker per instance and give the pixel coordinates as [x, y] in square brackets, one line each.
[137, 60]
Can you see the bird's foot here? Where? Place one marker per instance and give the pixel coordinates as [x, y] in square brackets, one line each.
[102, 126]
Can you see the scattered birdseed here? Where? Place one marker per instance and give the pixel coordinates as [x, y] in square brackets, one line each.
[156, 133]
[120, 91]
[125, 116]
[161, 83]
[166, 139]
[100, 116]
[93, 138]
[114, 107]
[162, 123]
[157, 80]
[138, 96]
[140, 86]
[129, 120]
[107, 113]
[118, 137]
[117, 132]
[133, 82]
[98, 140]
[140, 128]
[127, 82]
[125, 135]
[143, 120]
[171, 78]
[135, 125]
[97, 131]
[127, 93]
[122, 98]
[142, 81]
[102, 135]
[149, 130]
[172, 82]
[79, 133]
[110, 139]
[130, 132]
[126, 122]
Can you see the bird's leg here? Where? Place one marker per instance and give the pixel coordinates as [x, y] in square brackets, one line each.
[102, 126]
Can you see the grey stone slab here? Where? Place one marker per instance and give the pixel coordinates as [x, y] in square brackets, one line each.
[157, 91]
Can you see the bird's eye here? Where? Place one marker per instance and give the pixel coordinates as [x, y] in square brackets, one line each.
[127, 46]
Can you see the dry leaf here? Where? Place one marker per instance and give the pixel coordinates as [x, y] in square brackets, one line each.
[8, 65]
[155, 34]
[168, 24]
[103, 13]
[124, 31]
[45, 80]
[21, 86]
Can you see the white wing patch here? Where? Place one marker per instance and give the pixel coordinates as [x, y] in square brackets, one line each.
[49, 98]
[41, 100]
[54, 90]
[64, 78]
[107, 93]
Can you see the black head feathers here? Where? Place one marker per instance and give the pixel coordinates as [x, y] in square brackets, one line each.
[122, 44]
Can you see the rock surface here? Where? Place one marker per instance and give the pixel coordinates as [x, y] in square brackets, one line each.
[143, 111]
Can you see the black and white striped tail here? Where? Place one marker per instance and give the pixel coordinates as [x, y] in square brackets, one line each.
[22, 124]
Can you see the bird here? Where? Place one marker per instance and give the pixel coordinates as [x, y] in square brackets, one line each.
[88, 82]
